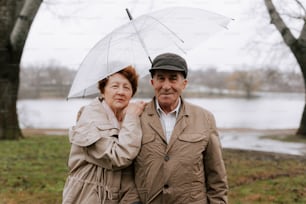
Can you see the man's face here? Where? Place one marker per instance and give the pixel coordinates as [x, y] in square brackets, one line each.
[168, 86]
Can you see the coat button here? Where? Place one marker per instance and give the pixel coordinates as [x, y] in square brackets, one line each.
[166, 186]
[166, 158]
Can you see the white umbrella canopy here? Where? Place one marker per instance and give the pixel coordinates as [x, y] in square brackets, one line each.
[174, 29]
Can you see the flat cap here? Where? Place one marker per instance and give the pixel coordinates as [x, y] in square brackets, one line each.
[170, 61]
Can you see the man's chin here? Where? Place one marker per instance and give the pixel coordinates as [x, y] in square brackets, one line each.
[164, 102]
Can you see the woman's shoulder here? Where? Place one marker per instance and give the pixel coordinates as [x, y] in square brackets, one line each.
[93, 110]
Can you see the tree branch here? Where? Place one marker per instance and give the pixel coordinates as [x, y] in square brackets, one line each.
[302, 7]
[22, 26]
[280, 25]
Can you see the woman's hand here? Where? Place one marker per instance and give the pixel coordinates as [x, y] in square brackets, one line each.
[135, 108]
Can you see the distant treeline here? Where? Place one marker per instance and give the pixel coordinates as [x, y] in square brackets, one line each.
[56, 82]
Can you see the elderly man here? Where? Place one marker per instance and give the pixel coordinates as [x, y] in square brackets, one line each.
[180, 160]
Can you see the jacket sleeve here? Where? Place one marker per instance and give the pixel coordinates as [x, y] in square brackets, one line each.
[105, 145]
[215, 172]
[118, 152]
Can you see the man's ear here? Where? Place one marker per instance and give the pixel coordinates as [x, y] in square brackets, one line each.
[185, 83]
[152, 82]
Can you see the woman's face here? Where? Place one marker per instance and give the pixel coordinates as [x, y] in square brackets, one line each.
[117, 92]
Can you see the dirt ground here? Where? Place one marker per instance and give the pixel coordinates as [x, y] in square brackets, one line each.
[32, 131]
[248, 153]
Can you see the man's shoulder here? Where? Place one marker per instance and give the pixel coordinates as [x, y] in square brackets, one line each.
[150, 106]
[195, 109]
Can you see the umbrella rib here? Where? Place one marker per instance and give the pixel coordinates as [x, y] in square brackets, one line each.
[171, 31]
[108, 51]
[138, 35]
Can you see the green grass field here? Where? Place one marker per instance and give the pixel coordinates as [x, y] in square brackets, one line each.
[33, 171]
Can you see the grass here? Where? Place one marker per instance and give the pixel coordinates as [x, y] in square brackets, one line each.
[287, 138]
[33, 170]
[265, 178]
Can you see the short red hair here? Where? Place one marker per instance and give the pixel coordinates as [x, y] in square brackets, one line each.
[129, 73]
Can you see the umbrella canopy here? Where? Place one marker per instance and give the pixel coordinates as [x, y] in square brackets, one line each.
[175, 29]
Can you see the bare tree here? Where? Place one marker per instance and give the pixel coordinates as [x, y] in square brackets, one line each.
[45, 80]
[246, 81]
[297, 45]
[15, 21]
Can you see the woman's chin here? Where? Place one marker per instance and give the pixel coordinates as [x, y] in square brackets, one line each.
[120, 106]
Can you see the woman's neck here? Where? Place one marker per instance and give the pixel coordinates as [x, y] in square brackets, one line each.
[118, 114]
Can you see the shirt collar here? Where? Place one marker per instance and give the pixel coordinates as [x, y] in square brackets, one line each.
[176, 110]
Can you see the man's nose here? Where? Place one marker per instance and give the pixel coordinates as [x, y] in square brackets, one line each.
[166, 84]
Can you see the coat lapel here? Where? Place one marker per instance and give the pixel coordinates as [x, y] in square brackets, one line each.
[155, 124]
[180, 125]
[154, 121]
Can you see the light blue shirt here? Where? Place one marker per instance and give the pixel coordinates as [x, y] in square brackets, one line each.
[168, 120]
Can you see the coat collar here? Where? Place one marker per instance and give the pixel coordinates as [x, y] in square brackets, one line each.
[180, 125]
[183, 111]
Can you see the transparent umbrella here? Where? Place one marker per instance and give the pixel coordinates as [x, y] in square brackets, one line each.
[174, 29]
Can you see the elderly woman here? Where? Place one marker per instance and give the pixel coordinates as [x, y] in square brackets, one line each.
[105, 141]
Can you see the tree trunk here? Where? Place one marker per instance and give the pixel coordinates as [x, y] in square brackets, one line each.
[302, 61]
[9, 82]
[14, 26]
[297, 47]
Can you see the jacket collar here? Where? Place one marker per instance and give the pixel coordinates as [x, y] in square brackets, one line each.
[181, 124]
[182, 111]
[160, 110]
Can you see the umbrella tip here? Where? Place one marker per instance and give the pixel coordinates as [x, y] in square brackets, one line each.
[150, 60]
[129, 14]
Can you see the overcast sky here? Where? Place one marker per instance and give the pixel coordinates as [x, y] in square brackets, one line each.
[64, 31]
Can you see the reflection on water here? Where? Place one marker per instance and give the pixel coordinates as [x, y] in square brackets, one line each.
[271, 111]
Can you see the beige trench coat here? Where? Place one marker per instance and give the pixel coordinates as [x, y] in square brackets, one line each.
[99, 156]
[190, 169]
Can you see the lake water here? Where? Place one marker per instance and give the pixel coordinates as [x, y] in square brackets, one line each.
[270, 111]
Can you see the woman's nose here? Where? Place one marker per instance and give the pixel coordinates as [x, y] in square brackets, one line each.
[120, 90]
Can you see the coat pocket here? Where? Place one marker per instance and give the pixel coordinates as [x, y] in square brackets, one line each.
[190, 148]
[88, 133]
[193, 137]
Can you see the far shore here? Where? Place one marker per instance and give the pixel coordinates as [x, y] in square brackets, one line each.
[264, 132]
